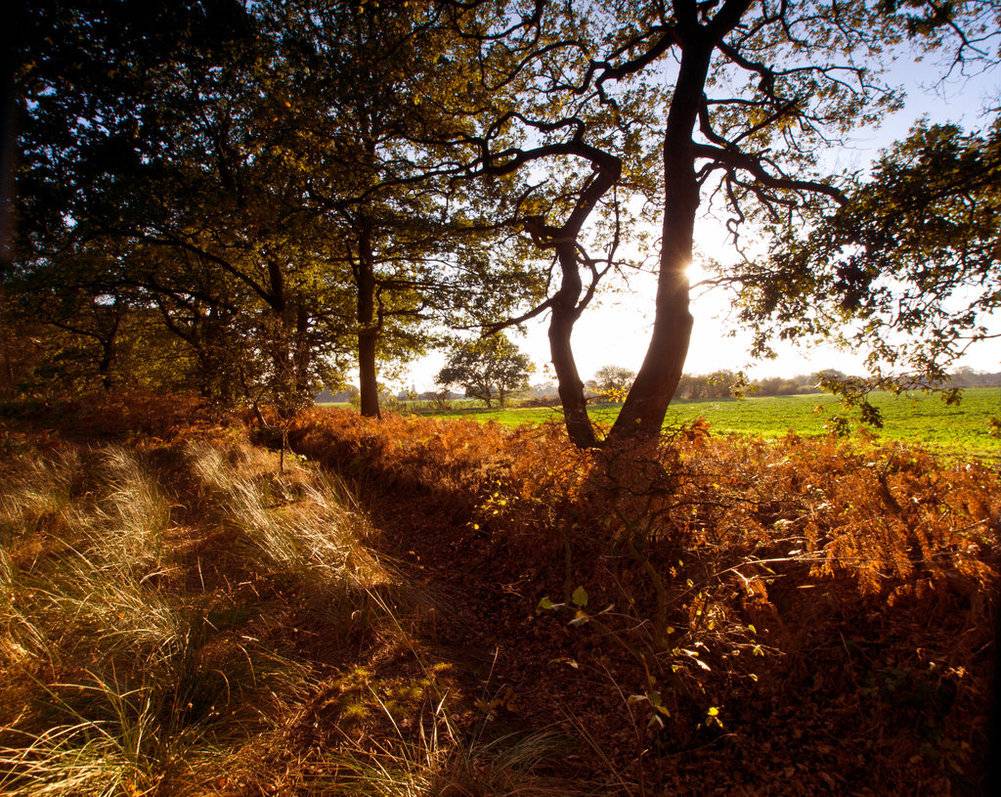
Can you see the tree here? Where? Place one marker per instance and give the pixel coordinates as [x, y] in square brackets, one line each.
[488, 368]
[908, 270]
[759, 91]
[612, 382]
[160, 152]
[378, 94]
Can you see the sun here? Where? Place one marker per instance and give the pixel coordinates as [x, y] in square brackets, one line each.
[695, 272]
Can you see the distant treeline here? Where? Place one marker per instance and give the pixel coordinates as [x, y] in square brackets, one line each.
[722, 384]
[727, 384]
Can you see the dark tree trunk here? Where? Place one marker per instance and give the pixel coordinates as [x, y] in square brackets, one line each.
[108, 353]
[643, 413]
[10, 108]
[369, 385]
[368, 330]
[564, 314]
[104, 366]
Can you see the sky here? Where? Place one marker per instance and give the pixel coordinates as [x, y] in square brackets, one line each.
[615, 329]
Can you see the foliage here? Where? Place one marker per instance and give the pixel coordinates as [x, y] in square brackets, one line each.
[734, 581]
[717, 385]
[906, 271]
[184, 620]
[764, 593]
[612, 382]
[759, 93]
[287, 187]
[259, 180]
[488, 368]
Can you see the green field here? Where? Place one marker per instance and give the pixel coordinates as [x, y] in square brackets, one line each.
[960, 430]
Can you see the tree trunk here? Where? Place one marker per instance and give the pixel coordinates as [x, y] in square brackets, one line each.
[368, 331]
[368, 382]
[564, 313]
[108, 359]
[10, 112]
[643, 413]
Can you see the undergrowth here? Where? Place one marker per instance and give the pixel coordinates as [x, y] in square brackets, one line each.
[813, 610]
[709, 614]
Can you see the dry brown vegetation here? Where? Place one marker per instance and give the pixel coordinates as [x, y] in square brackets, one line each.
[182, 619]
[715, 613]
[420, 607]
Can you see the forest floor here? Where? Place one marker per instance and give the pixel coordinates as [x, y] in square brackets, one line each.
[440, 608]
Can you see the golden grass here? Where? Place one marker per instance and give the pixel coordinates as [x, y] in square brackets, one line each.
[172, 616]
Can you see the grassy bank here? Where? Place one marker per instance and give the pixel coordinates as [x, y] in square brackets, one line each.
[487, 611]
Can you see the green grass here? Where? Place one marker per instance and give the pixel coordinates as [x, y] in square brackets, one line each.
[960, 430]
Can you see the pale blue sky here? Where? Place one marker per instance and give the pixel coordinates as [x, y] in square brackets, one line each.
[616, 330]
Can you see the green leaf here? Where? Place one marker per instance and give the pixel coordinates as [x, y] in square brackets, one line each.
[579, 597]
[545, 604]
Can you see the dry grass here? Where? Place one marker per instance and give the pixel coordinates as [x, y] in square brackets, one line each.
[170, 617]
[439, 760]
[792, 617]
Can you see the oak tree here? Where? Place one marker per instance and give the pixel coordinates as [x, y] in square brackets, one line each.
[488, 368]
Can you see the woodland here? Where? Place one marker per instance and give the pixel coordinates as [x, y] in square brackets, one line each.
[213, 210]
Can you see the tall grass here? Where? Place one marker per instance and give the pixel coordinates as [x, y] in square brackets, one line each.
[172, 617]
[117, 676]
[318, 538]
[439, 760]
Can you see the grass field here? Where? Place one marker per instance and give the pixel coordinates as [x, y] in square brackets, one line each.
[960, 430]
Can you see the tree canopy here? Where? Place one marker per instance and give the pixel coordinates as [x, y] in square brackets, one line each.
[286, 190]
[908, 270]
[488, 368]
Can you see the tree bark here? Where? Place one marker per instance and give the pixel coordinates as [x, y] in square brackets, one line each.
[368, 331]
[564, 314]
[643, 413]
[108, 352]
[104, 366]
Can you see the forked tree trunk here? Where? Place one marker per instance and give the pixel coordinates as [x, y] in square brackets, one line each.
[565, 306]
[643, 413]
[564, 313]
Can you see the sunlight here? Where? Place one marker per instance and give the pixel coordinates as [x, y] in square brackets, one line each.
[695, 272]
